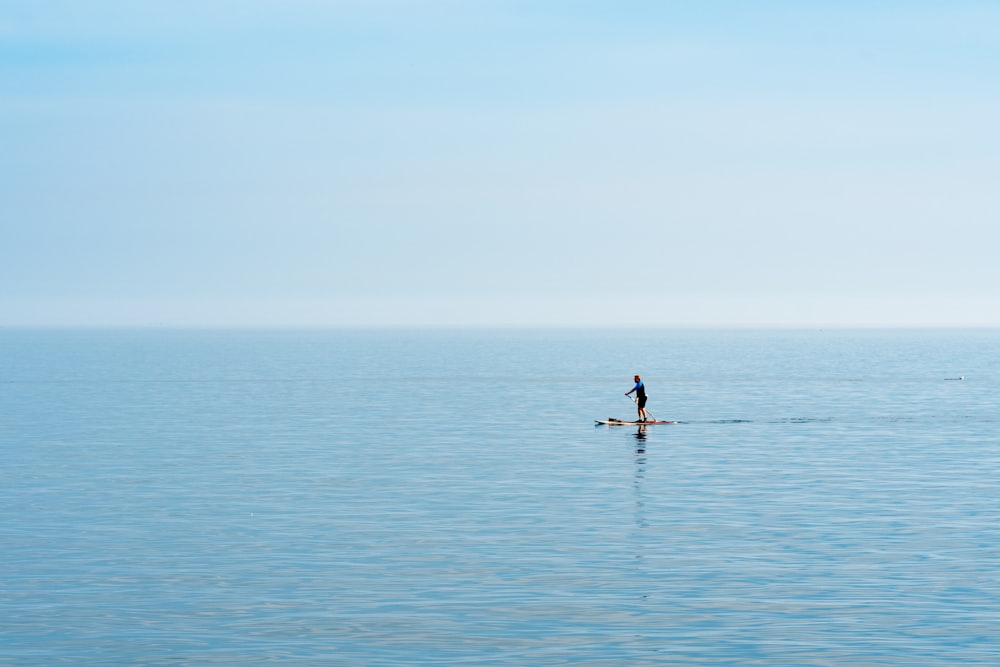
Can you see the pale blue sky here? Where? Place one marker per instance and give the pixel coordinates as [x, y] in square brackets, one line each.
[239, 162]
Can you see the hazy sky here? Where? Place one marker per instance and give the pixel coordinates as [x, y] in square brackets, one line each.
[609, 163]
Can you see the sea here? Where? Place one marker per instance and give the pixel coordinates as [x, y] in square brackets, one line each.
[444, 497]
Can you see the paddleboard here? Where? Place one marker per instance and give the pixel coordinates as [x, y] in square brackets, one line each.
[619, 422]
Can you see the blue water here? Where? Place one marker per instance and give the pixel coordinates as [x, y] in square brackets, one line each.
[444, 498]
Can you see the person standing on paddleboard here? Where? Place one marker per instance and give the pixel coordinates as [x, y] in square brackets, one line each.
[640, 397]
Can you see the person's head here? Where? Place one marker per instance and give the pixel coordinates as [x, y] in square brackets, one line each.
[637, 378]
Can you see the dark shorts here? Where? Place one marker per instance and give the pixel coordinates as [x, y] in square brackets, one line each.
[642, 401]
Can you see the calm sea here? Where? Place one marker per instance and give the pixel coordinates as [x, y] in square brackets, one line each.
[370, 498]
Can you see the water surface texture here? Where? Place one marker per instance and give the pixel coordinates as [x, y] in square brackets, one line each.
[444, 498]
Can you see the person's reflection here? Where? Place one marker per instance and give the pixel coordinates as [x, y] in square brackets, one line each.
[640, 439]
[637, 482]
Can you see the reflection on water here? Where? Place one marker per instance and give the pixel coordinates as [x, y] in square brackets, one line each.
[637, 485]
[640, 437]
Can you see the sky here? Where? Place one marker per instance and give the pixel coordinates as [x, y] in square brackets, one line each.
[596, 163]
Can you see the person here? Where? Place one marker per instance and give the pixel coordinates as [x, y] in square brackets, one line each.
[640, 397]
